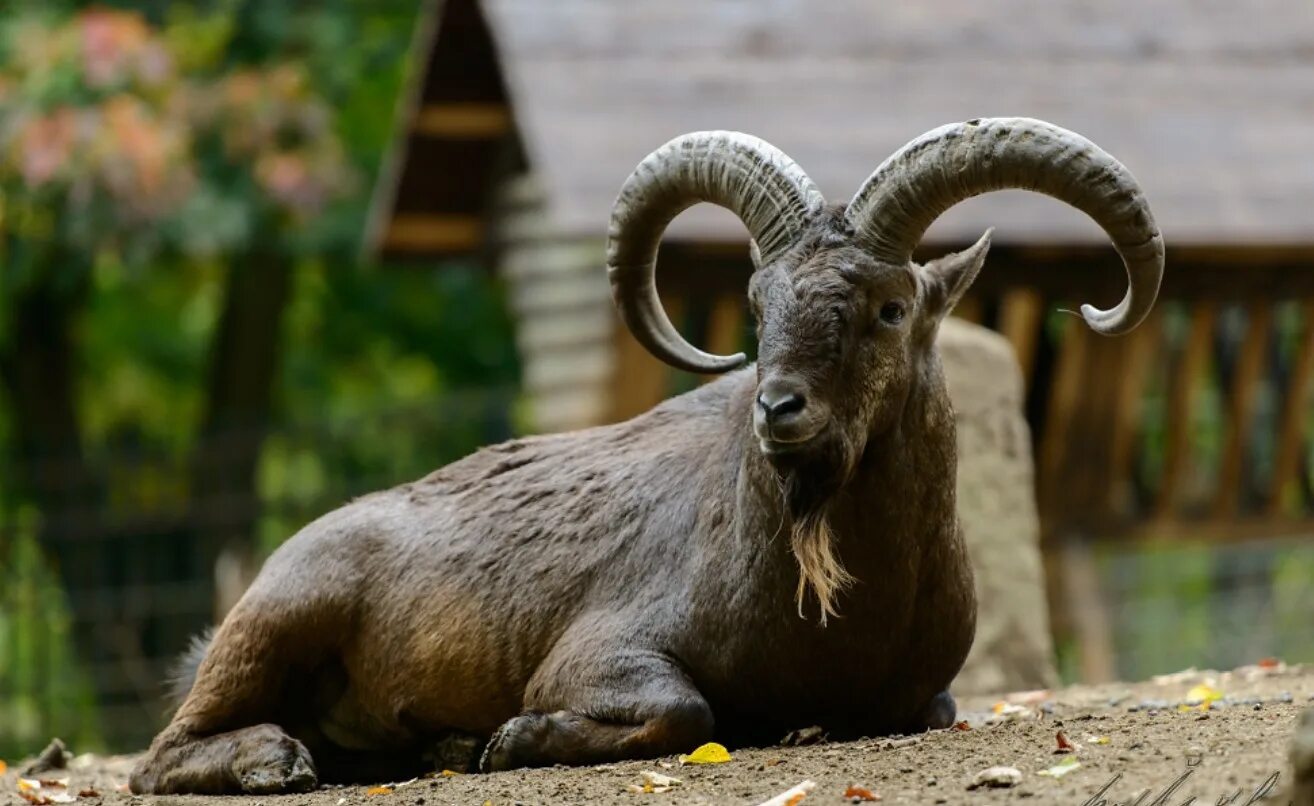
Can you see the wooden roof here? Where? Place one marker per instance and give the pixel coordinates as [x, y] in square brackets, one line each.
[1210, 103]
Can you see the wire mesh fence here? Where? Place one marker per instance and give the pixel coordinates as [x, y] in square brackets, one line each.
[93, 612]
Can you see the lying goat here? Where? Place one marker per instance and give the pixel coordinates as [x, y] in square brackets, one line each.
[637, 589]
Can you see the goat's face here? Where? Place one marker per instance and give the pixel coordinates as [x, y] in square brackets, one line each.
[841, 340]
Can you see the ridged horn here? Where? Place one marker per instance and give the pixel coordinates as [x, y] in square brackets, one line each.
[900, 200]
[750, 177]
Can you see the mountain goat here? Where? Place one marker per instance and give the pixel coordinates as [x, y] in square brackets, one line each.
[777, 549]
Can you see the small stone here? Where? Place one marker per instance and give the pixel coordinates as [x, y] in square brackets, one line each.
[996, 778]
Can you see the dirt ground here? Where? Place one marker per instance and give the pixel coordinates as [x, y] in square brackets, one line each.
[1130, 739]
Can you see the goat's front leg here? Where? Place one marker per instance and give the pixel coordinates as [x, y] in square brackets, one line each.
[602, 706]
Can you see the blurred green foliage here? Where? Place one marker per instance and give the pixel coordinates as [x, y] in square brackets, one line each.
[147, 151]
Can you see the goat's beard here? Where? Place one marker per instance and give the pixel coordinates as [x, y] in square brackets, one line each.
[808, 487]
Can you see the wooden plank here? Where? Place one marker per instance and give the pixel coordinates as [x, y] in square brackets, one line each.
[434, 233]
[725, 328]
[640, 381]
[1089, 613]
[471, 120]
[1291, 436]
[1182, 387]
[1064, 395]
[1242, 529]
[1139, 350]
[1246, 380]
[1021, 315]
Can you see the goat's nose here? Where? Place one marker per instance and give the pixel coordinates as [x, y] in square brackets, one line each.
[778, 399]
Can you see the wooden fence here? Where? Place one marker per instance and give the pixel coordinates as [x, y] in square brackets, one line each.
[1196, 427]
[1198, 424]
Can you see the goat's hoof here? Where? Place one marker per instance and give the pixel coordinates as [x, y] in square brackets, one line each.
[273, 766]
[512, 744]
[940, 711]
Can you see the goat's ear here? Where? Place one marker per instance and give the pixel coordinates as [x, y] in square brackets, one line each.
[949, 277]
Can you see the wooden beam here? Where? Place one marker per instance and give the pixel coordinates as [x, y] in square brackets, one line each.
[1138, 352]
[462, 121]
[1242, 529]
[1181, 394]
[1021, 315]
[640, 381]
[1089, 611]
[725, 328]
[1291, 427]
[433, 232]
[1246, 380]
[1064, 399]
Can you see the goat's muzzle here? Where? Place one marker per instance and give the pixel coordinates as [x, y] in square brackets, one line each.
[785, 420]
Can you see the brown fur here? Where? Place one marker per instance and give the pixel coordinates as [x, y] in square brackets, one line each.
[630, 590]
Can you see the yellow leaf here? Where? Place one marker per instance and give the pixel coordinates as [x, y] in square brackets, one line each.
[1203, 696]
[3, 766]
[28, 785]
[378, 790]
[710, 753]
[449, 773]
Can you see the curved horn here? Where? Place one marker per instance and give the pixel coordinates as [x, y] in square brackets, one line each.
[750, 177]
[932, 173]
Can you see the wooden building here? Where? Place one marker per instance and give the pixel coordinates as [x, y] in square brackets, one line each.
[525, 117]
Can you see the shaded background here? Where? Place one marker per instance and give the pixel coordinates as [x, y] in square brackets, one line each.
[252, 264]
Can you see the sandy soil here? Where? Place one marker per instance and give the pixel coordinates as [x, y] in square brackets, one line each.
[1132, 737]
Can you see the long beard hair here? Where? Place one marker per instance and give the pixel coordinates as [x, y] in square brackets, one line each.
[808, 489]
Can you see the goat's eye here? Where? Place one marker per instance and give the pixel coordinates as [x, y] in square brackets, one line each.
[892, 313]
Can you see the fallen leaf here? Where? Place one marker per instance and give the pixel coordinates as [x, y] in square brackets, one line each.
[996, 778]
[710, 753]
[449, 773]
[1264, 663]
[88, 793]
[961, 725]
[654, 782]
[62, 782]
[1005, 711]
[1062, 768]
[1200, 698]
[791, 796]
[1064, 746]
[804, 736]
[3, 766]
[1097, 740]
[378, 790]
[857, 794]
[29, 785]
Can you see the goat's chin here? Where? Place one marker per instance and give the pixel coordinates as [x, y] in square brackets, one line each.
[809, 479]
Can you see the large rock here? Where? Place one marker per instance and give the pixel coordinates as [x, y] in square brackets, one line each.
[997, 504]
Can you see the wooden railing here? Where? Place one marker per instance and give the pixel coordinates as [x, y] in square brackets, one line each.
[1197, 425]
